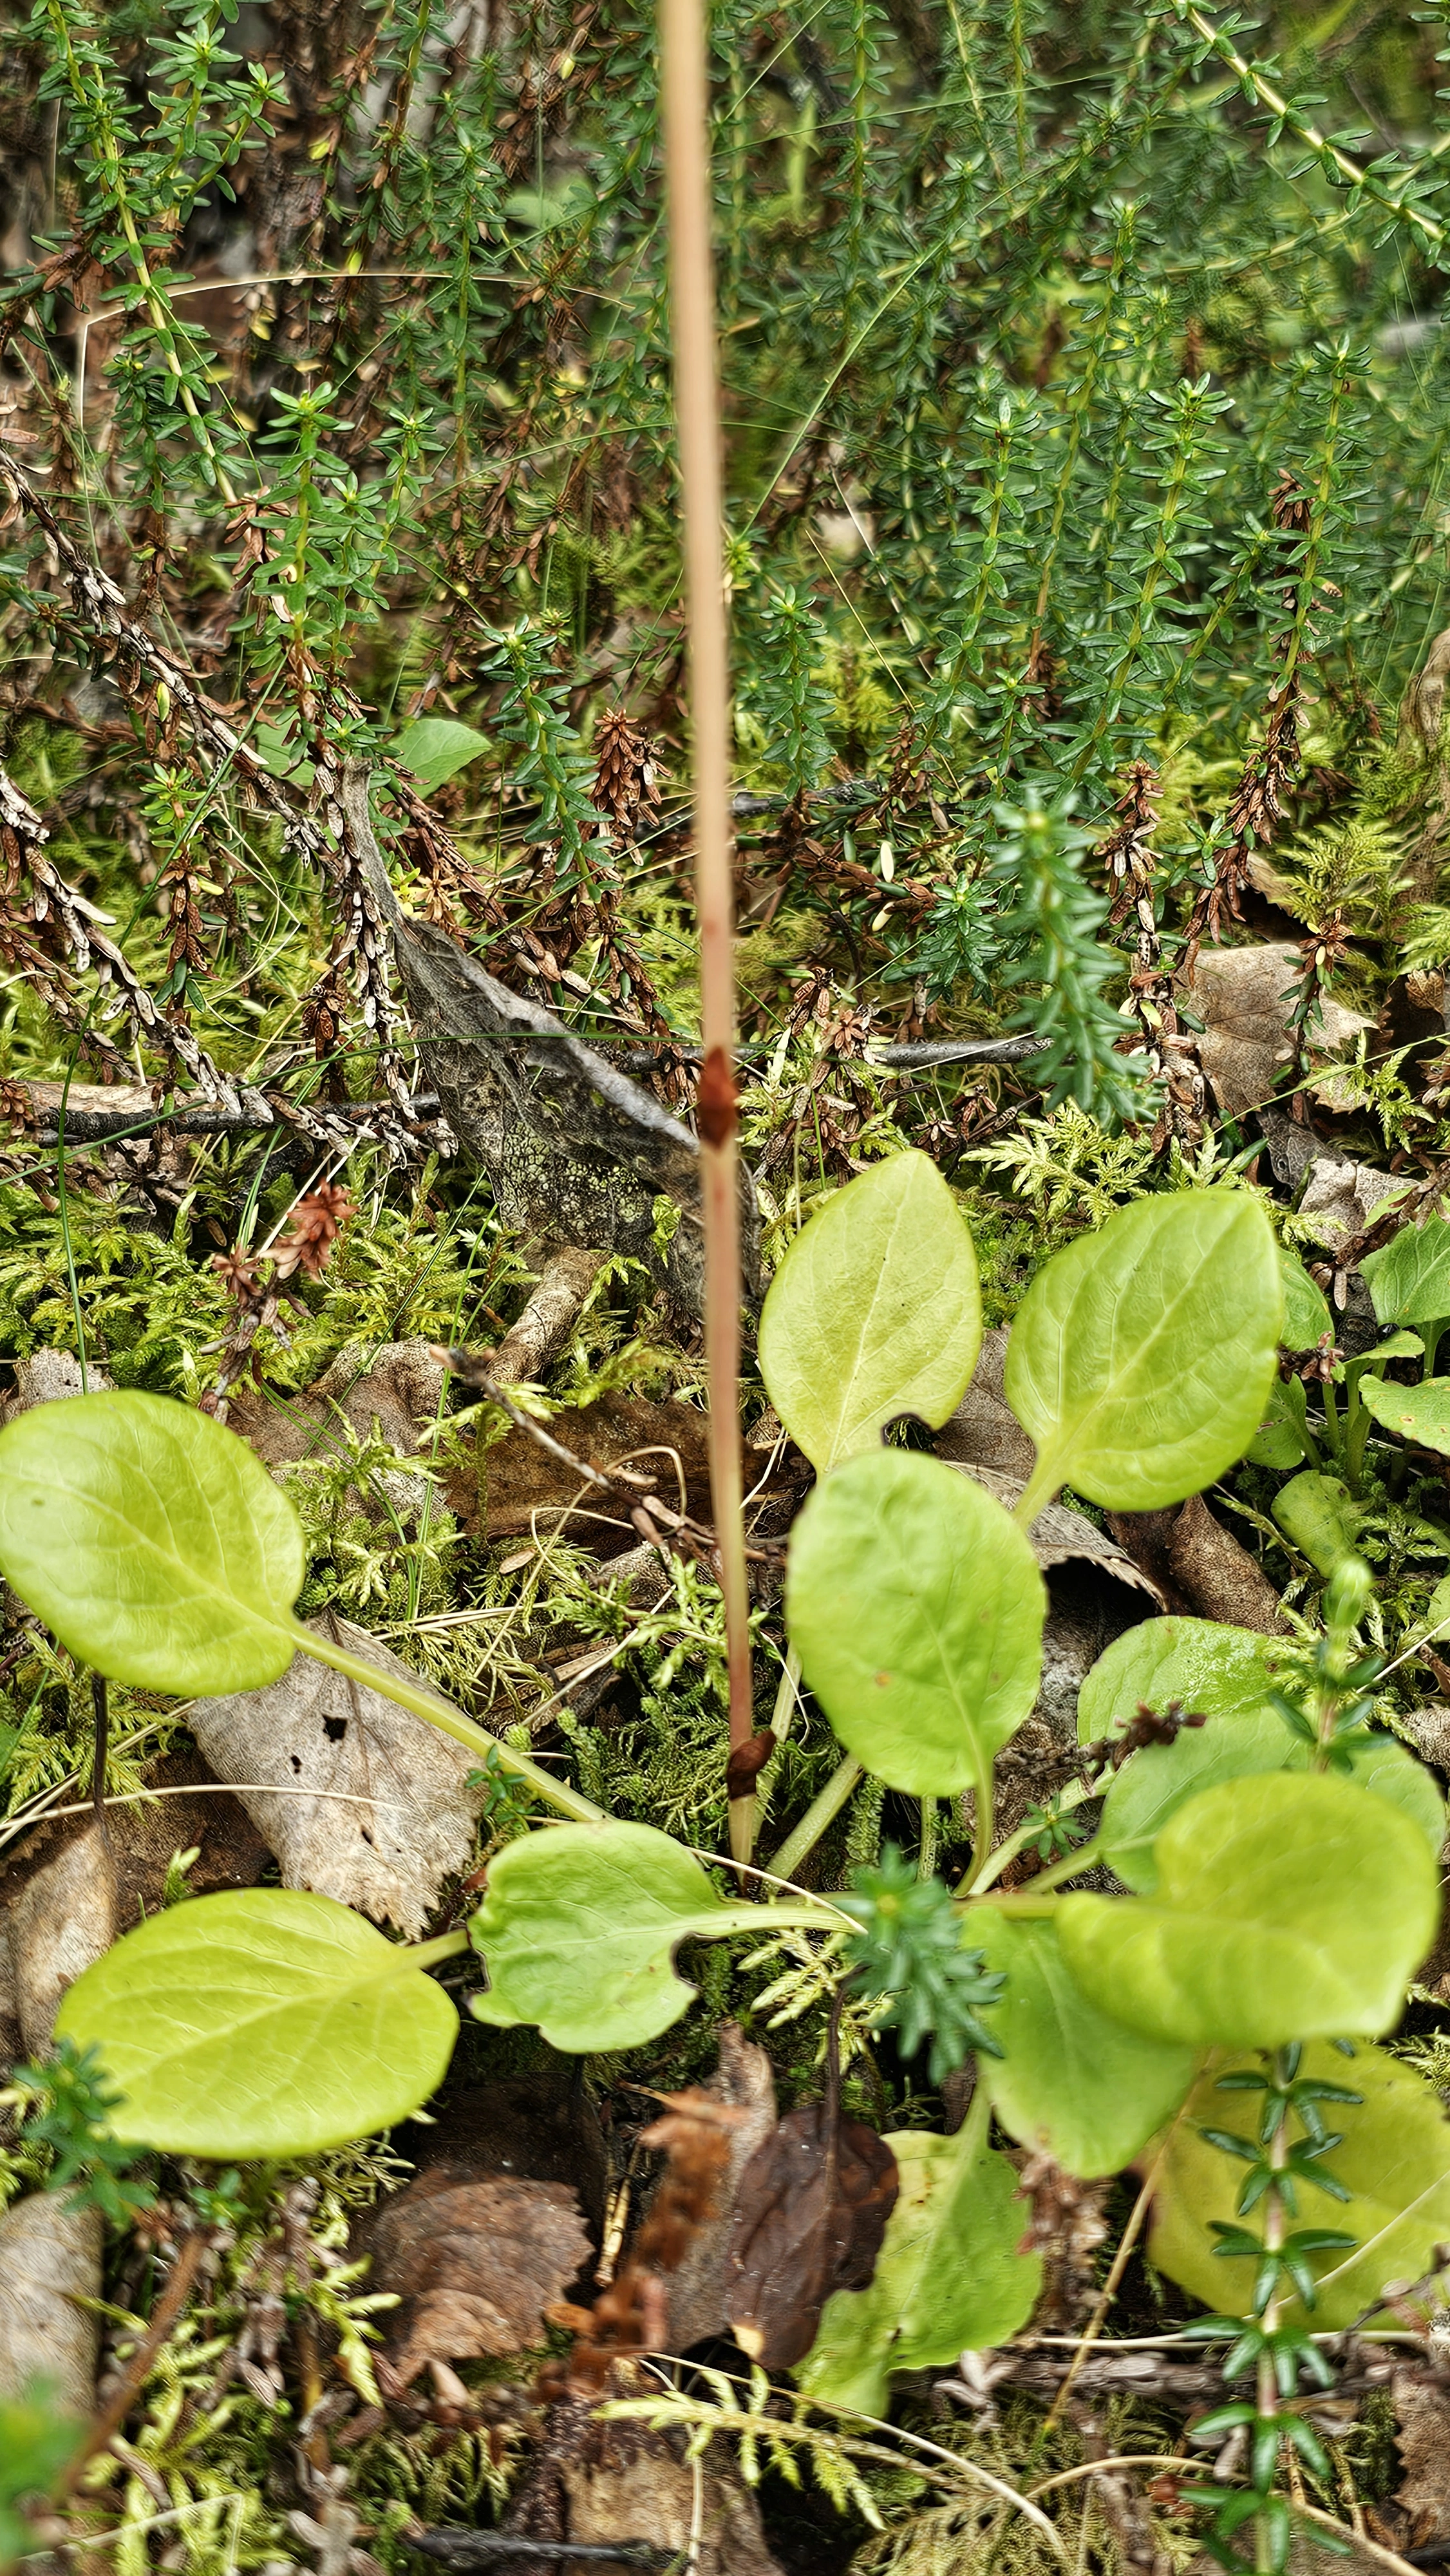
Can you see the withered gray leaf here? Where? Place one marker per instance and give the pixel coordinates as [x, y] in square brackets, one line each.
[576, 1152]
[476, 2263]
[50, 2284]
[810, 2213]
[388, 1817]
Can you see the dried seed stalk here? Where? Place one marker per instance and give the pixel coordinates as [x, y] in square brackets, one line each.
[685, 113]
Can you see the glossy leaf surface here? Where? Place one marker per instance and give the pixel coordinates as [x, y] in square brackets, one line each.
[1070, 2077]
[874, 1312]
[1142, 1356]
[948, 2277]
[267, 2022]
[152, 1541]
[1193, 1661]
[579, 1929]
[1419, 1413]
[916, 1608]
[1288, 1906]
[1394, 2160]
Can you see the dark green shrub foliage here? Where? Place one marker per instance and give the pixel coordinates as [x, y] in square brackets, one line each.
[1078, 416]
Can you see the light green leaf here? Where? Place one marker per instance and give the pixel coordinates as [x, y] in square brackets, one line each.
[874, 1312]
[435, 748]
[1194, 1661]
[1400, 1346]
[1142, 1357]
[1288, 1907]
[279, 756]
[1419, 1413]
[1151, 1788]
[580, 1926]
[262, 2023]
[1321, 1516]
[1070, 2078]
[1394, 2158]
[1390, 1770]
[152, 1541]
[1306, 1308]
[1163, 1777]
[1409, 1281]
[916, 1608]
[1280, 1441]
[948, 2278]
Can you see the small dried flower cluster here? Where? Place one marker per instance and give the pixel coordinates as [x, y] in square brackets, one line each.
[317, 1220]
[631, 2315]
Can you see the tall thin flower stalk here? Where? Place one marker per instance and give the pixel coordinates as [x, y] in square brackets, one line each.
[685, 113]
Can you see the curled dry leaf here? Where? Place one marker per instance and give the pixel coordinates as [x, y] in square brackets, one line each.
[984, 1431]
[394, 1389]
[477, 2264]
[1200, 1565]
[1061, 1536]
[388, 1817]
[810, 2214]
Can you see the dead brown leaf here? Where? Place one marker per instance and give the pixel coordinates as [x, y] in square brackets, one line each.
[697, 2287]
[984, 1431]
[1243, 997]
[388, 1817]
[477, 2264]
[1061, 1536]
[1422, 2437]
[810, 2214]
[62, 1921]
[595, 2482]
[1200, 1565]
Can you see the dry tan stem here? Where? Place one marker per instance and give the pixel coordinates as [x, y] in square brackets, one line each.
[1109, 2292]
[685, 117]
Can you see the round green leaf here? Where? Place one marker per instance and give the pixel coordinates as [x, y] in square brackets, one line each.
[1306, 1308]
[1388, 1769]
[579, 1929]
[916, 1608]
[1420, 1413]
[1194, 1661]
[1320, 1515]
[948, 2278]
[1394, 2159]
[1288, 1907]
[262, 2023]
[1070, 2078]
[152, 1541]
[1409, 1281]
[1163, 1777]
[435, 748]
[1142, 1357]
[874, 1312]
